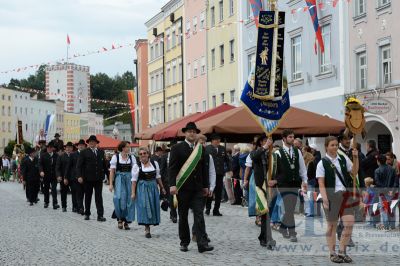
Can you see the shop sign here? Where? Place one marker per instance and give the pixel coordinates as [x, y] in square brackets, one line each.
[377, 106]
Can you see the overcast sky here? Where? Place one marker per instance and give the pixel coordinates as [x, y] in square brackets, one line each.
[34, 31]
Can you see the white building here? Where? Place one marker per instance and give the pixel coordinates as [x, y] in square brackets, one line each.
[91, 124]
[124, 131]
[69, 83]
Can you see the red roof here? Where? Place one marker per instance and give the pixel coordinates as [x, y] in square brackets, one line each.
[110, 143]
[173, 130]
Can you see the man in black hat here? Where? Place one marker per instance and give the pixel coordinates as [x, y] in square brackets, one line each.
[78, 182]
[164, 162]
[157, 155]
[188, 173]
[91, 168]
[30, 175]
[41, 150]
[47, 166]
[222, 165]
[65, 173]
[58, 143]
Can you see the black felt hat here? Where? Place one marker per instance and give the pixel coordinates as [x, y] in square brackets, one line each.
[215, 136]
[189, 126]
[57, 135]
[92, 138]
[69, 144]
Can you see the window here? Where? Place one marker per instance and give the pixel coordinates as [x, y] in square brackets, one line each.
[222, 98]
[195, 24]
[9, 110]
[221, 10]
[386, 65]
[296, 57]
[9, 126]
[202, 19]
[382, 3]
[3, 97]
[221, 52]
[203, 65]
[156, 83]
[16, 110]
[189, 108]
[188, 74]
[362, 70]
[3, 110]
[173, 35]
[214, 101]
[3, 126]
[9, 98]
[251, 60]
[174, 73]
[195, 66]
[212, 14]
[212, 58]
[360, 7]
[180, 70]
[168, 82]
[196, 107]
[232, 94]
[168, 39]
[151, 54]
[175, 110]
[187, 26]
[231, 8]
[179, 34]
[156, 51]
[204, 105]
[152, 84]
[232, 49]
[325, 58]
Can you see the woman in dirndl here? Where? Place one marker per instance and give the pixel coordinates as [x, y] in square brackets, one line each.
[145, 177]
[121, 166]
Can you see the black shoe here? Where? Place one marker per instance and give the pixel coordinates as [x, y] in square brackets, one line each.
[87, 217]
[207, 212]
[101, 219]
[263, 243]
[271, 244]
[293, 239]
[351, 243]
[37, 200]
[74, 210]
[284, 233]
[81, 212]
[46, 205]
[64, 209]
[184, 248]
[147, 235]
[56, 206]
[31, 204]
[205, 248]
[174, 219]
[217, 214]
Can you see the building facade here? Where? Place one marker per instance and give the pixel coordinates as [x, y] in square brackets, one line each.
[123, 131]
[223, 43]
[142, 99]
[195, 54]
[71, 127]
[6, 118]
[374, 74]
[69, 83]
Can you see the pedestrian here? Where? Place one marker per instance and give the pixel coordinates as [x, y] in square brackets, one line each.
[30, 175]
[190, 187]
[47, 166]
[227, 191]
[291, 175]
[384, 178]
[298, 143]
[334, 174]
[212, 178]
[58, 143]
[91, 168]
[244, 152]
[5, 167]
[121, 166]
[40, 138]
[369, 164]
[221, 159]
[261, 164]
[13, 167]
[311, 182]
[79, 186]
[66, 173]
[145, 177]
[107, 172]
[164, 162]
[370, 198]
[236, 178]
[157, 155]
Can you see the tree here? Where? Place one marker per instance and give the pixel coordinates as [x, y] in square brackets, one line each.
[9, 149]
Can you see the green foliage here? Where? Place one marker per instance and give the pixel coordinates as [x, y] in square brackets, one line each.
[10, 147]
[36, 82]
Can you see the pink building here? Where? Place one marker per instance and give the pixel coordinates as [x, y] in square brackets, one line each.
[195, 56]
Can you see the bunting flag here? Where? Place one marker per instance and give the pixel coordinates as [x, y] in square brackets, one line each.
[256, 6]
[268, 111]
[68, 40]
[131, 100]
[47, 125]
[312, 8]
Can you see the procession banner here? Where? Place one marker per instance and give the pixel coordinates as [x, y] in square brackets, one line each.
[265, 93]
[20, 138]
[47, 125]
[131, 100]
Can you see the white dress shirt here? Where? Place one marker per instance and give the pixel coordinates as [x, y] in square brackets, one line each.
[249, 162]
[135, 170]
[302, 165]
[211, 174]
[321, 171]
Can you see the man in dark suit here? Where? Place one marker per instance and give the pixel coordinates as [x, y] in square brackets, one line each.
[30, 175]
[79, 187]
[58, 143]
[222, 165]
[164, 161]
[65, 172]
[191, 194]
[47, 167]
[91, 168]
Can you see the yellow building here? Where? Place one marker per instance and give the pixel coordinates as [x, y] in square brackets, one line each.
[222, 52]
[6, 118]
[155, 36]
[71, 127]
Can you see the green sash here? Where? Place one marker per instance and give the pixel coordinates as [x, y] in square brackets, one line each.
[261, 199]
[189, 166]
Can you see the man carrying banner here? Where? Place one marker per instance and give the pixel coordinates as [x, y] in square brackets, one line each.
[188, 179]
[291, 174]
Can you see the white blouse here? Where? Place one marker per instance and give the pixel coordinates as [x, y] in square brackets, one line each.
[135, 171]
[113, 162]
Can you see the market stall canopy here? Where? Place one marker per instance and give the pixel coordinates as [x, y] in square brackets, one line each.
[238, 122]
[110, 143]
[172, 131]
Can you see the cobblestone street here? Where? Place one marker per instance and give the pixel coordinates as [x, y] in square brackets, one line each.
[38, 236]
